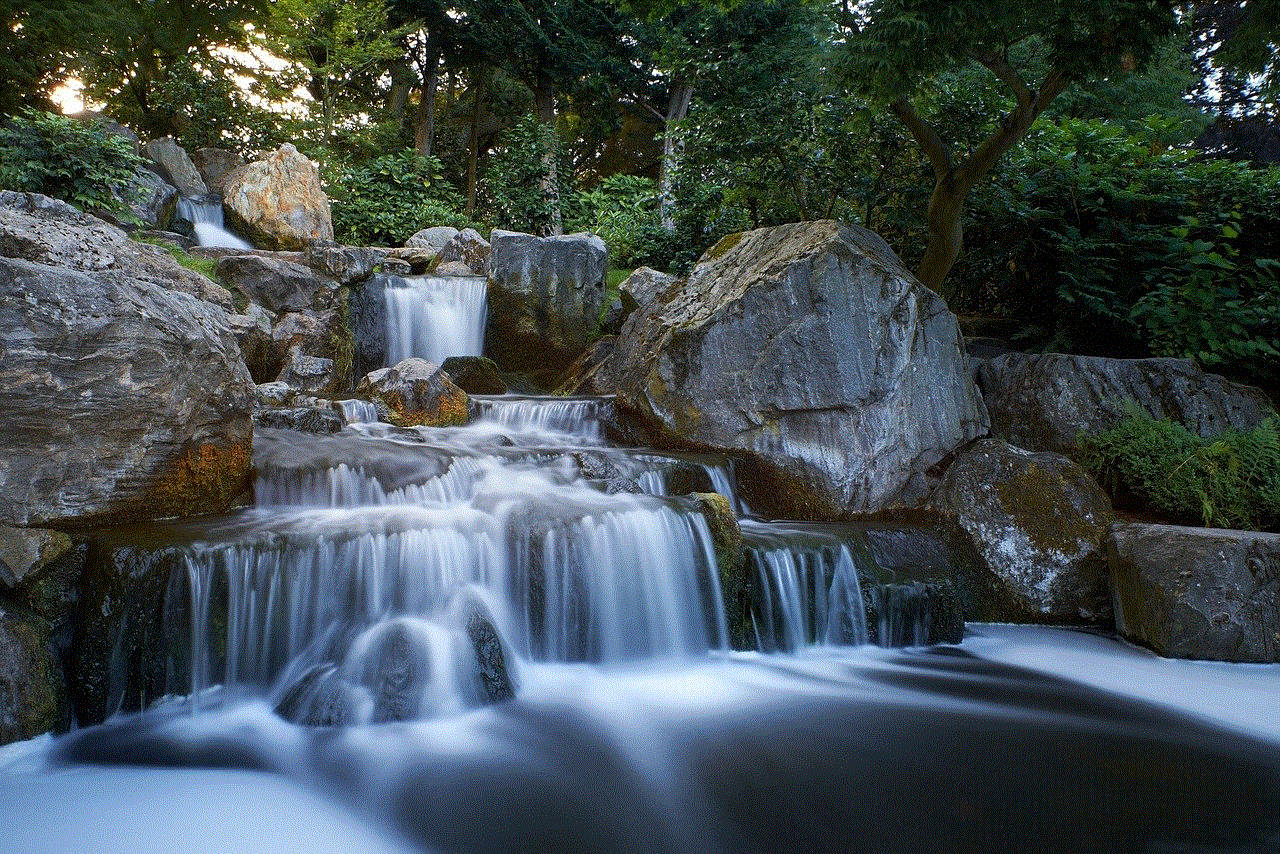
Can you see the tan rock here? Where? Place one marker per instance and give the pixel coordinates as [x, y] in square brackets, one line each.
[278, 202]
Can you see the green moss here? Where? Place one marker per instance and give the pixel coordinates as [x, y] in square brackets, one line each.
[206, 267]
[726, 243]
[1033, 496]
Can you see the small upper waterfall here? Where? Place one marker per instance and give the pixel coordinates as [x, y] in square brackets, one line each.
[434, 317]
[205, 216]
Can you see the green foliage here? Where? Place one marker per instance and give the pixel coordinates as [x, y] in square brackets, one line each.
[623, 210]
[1231, 480]
[207, 267]
[1105, 242]
[76, 161]
[512, 191]
[385, 200]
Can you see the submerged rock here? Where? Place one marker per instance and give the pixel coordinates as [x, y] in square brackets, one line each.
[278, 202]
[1197, 592]
[304, 419]
[493, 682]
[1039, 521]
[1044, 402]
[544, 300]
[808, 351]
[124, 399]
[418, 393]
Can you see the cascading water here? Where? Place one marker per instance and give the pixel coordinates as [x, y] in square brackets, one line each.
[434, 317]
[513, 636]
[205, 216]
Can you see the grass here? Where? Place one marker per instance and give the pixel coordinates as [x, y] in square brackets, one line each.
[206, 267]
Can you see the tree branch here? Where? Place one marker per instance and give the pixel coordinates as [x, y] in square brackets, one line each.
[925, 136]
[999, 66]
[1012, 128]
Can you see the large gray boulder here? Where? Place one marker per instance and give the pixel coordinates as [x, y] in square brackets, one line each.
[344, 264]
[1038, 520]
[544, 300]
[172, 163]
[214, 165]
[123, 399]
[809, 352]
[1197, 592]
[1045, 402]
[433, 239]
[278, 202]
[417, 392]
[275, 283]
[150, 199]
[466, 247]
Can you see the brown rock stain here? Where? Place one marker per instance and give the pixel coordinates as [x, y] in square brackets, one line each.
[205, 478]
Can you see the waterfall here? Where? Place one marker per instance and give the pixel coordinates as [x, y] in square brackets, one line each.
[581, 417]
[359, 411]
[205, 216]
[434, 317]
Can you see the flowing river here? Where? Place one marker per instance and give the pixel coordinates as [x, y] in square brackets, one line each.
[516, 637]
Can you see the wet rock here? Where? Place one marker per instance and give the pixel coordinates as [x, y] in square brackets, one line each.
[475, 374]
[304, 419]
[592, 372]
[1043, 402]
[544, 300]
[433, 239]
[400, 672]
[493, 683]
[252, 329]
[914, 613]
[275, 393]
[731, 561]
[278, 203]
[26, 551]
[172, 163]
[276, 284]
[33, 692]
[367, 313]
[307, 373]
[453, 268]
[322, 335]
[214, 165]
[416, 392]
[728, 363]
[1197, 592]
[1038, 520]
[466, 247]
[344, 264]
[161, 420]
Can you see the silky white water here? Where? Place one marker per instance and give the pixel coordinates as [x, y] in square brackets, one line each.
[434, 317]
[206, 218]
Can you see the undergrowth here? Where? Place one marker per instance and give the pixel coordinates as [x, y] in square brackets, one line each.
[1231, 480]
[207, 267]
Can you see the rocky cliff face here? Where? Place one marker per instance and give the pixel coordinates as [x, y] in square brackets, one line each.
[278, 202]
[123, 399]
[812, 354]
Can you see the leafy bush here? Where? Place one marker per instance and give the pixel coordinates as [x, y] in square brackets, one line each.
[1105, 242]
[512, 192]
[1231, 480]
[384, 201]
[623, 210]
[76, 161]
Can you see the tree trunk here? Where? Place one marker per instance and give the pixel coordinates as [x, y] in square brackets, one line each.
[946, 235]
[544, 99]
[672, 149]
[424, 124]
[402, 81]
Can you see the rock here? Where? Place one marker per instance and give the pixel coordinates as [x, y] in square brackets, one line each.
[46, 231]
[26, 551]
[168, 238]
[453, 268]
[345, 264]
[433, 239]
[544, 300]
[493, 682]
[214, 165]
[150, 199]
[276, 284]
[644, 286]
[33, 691]
[1039, 521]
[475, 374]
[174, 165]
[320, 334]
[467, 247]
[809, 352]
[399, 267]
[307, 373]
[591, 373]
[408, 261]
[1043, 402]
[278, 203]
[417, 392]
[274, 393]
[731, 560]
[1197, 592]
[252, 330]
[124, 400]
[304, 419]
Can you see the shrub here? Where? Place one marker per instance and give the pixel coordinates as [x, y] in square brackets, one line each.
[76, 161]
[384, 201]
[1231, 480]
[512, 195]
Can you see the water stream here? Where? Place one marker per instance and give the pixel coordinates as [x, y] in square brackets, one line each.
[514, 636]
[206, 218]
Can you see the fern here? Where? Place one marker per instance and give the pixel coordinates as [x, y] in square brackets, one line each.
[1231, 480]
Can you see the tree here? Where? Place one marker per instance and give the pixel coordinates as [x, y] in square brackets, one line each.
[894, 50]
